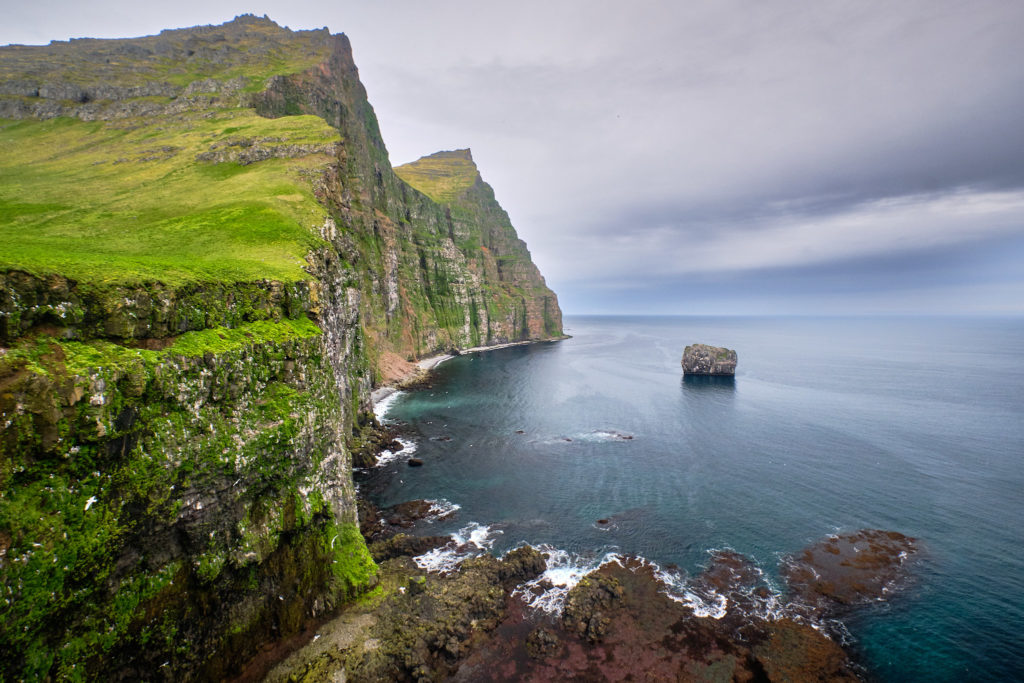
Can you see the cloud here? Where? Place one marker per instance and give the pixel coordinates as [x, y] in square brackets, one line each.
[787, 239]
[652, 140]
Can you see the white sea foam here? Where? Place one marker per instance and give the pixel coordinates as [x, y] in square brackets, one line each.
[439, 509]
[606, 435]
[547, 592]
[442, 560]
[381, 407]
[760, 599]
[716, 607]
[703, 602]
[596, 436]
[481, 536]
[408, 448]
[467, 542]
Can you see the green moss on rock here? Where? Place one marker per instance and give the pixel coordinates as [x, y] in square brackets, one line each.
[129, 471]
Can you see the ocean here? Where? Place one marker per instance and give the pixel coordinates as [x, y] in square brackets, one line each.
[598, 444]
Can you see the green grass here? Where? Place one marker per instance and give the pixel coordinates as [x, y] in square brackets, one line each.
[442, 176]
[127, 201]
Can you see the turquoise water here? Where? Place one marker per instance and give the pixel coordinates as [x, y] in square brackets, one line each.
[914, 425]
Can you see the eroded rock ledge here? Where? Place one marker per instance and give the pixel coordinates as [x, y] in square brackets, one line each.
[618, 621]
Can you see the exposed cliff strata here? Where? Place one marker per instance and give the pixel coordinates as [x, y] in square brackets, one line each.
[520, 304]
[189, 340]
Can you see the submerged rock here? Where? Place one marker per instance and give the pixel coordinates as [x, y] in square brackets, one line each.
[701, 359]
[850, 569]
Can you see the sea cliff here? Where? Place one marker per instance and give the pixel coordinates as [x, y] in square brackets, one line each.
[208, 264]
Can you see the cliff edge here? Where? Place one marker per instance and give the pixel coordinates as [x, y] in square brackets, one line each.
[520, 305]
[206, 260]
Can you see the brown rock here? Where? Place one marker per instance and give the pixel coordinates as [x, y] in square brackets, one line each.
[542, 643]
[850, 568]
[401, 545]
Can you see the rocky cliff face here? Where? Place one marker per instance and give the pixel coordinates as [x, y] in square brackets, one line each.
[519, 304]
[206, 253]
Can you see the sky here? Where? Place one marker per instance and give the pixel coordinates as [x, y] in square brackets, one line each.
[706, 157]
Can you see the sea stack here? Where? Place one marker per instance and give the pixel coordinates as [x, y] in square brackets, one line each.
[701, 359]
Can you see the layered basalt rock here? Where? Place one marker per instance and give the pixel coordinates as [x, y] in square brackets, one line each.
[701, 359]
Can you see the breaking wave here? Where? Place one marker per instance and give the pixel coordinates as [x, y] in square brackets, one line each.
[381, 407]
[441, 509]
[547, 592]
[467, 542]
[406, 451]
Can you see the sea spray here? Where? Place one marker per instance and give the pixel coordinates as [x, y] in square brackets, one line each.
[405, 452]
[441, 509]
[469, 541]
[381, 407]
[548, 591]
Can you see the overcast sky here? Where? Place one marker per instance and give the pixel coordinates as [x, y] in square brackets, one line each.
[712, 156]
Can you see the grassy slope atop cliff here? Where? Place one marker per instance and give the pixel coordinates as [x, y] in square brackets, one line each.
[127, 201]
[443, 176]
[518, 296]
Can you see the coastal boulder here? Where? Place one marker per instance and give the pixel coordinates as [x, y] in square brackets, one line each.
[701, 359]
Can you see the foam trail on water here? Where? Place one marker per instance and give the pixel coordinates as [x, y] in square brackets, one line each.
[705, 603]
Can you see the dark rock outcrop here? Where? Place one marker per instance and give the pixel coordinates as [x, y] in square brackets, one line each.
[589, 605]
[403, 545]
[701, 359]
[619, 624]
[422, 633]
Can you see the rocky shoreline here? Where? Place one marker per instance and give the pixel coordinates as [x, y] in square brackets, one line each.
[474, 622]
[472, 619]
